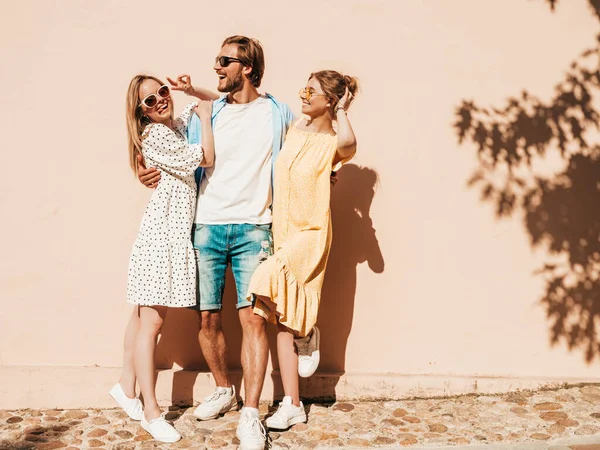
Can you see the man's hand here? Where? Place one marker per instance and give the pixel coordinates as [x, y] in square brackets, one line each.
[183, 83]
[148, 177]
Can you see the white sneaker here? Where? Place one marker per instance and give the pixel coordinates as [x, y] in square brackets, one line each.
[308, 353]
[219, 402]
[132, 406]
[250, 432]
[160, 429]
[287, 415]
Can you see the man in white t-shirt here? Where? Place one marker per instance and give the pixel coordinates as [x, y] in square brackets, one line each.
[233, 223]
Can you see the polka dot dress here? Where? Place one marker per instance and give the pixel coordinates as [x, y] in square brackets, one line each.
[162, 268]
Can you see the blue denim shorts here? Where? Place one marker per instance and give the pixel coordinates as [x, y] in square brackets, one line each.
[243, 245]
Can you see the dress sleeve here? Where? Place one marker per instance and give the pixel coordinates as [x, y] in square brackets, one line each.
[181, 123]
[164, 149]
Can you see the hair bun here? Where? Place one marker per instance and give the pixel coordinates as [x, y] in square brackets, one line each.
[352, 84]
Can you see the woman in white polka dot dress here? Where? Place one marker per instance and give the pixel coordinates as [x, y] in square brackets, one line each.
[162, 268]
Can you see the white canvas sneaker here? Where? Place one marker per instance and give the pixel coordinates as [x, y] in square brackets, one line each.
[250, 432]
[219, 402]
[286, 415]
[132, 406]
[160, 429]
[308, 353]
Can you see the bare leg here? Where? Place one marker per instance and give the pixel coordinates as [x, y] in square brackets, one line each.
[151, 320]
[255, 353]
[127, 380]
[214, 346]
[288, 363]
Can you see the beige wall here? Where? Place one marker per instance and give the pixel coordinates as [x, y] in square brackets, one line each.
[442, 297]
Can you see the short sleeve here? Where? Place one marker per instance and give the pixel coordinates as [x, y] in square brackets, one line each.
[288, 115]
[164, 149]
[181, 123]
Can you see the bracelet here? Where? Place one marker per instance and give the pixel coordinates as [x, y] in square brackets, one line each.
[338, 107]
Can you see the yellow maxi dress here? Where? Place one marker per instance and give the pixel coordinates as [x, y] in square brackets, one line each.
[293, 277]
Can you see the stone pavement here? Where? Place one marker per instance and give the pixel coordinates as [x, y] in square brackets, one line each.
[555, 419]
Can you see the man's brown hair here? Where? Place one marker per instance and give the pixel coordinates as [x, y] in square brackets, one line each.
[250, 52]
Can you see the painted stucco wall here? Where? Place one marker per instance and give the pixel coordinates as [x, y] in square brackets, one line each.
[427, 292]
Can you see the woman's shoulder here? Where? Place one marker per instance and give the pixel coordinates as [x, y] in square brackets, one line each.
[187, 112]
[155, 130]
[158, 137]
[300, 126]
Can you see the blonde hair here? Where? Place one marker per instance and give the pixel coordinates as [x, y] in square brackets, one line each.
[334, 86]
[136, 120]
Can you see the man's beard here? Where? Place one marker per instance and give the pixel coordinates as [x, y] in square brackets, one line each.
[232, 85]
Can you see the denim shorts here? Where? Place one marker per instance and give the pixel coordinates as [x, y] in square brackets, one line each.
[243, 245]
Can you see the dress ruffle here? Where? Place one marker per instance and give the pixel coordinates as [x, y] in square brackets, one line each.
[162, 274]
[290, 300]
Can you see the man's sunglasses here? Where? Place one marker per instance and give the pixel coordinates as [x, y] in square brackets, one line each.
[151, 100]
[224, 61]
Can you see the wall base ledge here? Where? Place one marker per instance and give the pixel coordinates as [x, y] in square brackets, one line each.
[42, 387]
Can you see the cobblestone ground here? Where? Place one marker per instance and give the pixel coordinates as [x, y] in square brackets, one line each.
[517, 418]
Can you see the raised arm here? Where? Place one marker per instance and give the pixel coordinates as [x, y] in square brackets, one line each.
[204, 112]
[184, 84]
[346, 138]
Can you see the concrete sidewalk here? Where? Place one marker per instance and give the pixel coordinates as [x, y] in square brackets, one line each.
[559, 419]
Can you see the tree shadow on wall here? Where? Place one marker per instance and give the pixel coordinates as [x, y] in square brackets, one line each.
[561, 211]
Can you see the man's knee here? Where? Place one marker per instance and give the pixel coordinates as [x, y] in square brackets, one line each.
[210, 321]
[252, 323]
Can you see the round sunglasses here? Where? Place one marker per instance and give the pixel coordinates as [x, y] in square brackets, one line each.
[151, 100]
[308, 93]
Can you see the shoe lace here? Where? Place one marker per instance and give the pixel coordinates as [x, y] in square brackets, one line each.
[276, 413]
[255, 428]
[258, 428]
[281, 411]
[161, 421]
[214, 396]
[138, 407]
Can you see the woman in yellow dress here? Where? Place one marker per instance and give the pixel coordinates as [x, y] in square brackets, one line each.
[286, 288]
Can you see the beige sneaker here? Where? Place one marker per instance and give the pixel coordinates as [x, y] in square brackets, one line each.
[132, 406]
[250, 432]
[219, 402]
[287, 415]
[308, 353]
[160, 429]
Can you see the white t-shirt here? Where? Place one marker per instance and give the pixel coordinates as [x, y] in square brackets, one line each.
[237, 189]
